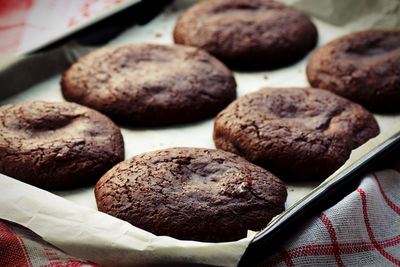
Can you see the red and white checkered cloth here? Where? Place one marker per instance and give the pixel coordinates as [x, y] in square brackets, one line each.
[21, 247]
[363, 229]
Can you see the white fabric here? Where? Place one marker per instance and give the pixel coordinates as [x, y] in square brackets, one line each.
[363, 229]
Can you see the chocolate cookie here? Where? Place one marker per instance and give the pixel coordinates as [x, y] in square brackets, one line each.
[363, 66]
[297, 133]
[247, 34]
[191, 193]
[150, 84]
[57, 145]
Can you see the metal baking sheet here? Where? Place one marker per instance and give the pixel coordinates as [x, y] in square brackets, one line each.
[41, 82]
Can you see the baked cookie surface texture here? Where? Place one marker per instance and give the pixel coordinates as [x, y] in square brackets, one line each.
[296, 133]
[149, 84]
[363, 67]
[191, 194]
[57, 145]
[247, 34]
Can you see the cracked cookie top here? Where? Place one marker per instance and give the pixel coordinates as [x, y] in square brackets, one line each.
[247, 34]
[298, 133]
[57, 145]
[362, 66]
[150, 84]
[191, 193]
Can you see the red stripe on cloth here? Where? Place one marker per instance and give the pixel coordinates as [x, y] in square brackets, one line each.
[71, 263]
[11, 26]
[390, 242]
[52, 256]
[348, 248]
[327, 249]
[11, 252]
[286, 257]
[13, 16]
[369, 229]
[332, 235]
[390, 203]
[28, 259]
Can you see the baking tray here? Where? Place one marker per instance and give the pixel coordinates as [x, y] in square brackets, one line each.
[42, 72]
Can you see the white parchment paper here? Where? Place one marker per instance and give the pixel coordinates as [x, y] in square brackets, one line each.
[96, 236]
[70, 220]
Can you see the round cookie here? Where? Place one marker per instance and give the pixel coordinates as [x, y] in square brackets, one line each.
[150, 84]
[57, 145]
[247, 34]
[362, 66]
[191, 194]
[297, 133]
